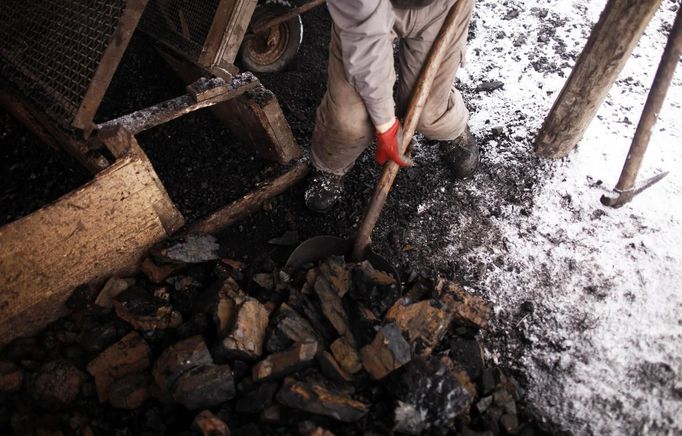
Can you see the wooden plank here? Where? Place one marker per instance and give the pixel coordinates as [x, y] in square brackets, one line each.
[169, 110]
[251, 202]
[100, 229]
[607, 50]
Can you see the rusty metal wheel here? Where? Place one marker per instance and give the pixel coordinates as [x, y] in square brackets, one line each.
[272, 49]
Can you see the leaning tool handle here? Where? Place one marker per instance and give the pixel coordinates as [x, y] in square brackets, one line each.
[420, 94]
[652, 107]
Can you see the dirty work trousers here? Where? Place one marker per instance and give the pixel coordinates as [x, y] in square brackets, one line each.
[343, 128]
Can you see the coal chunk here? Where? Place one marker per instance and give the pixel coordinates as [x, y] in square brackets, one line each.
[431, 394]
[317, 397]
[130, 392]
[423, 323]
[57, 384]
[288, 328]
[128, 356]
[204, 386]
[285, 362]
[257, 399]
[144, 311]
[178, 359]
[377, 289]
[245, 341]
[387, 352]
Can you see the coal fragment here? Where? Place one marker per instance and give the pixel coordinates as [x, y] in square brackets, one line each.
[257, 399]
[11, 377]
[346, 355]
[57, 384]
[204, 386]
[387, 352]
[207, 424]
[128, 356]
[433, 393]
[220, 303]
[490, 379]
[379, 290]
[289, 327]
[318, 398]
[245, 341]
[111, 289]
[423, 323]
[97, 337]
[331, 368]
[129, 392]
[468, 309]
[469, 354]
[489, 86]
[178, 359]
[144, 311]
[332, 307]
[285, 362]
[362, 321]
[337, 273]
[194, 248]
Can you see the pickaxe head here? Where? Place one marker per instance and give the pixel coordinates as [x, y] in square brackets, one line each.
[624, 196]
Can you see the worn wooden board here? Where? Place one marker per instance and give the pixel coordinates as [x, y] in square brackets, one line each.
[100, 229]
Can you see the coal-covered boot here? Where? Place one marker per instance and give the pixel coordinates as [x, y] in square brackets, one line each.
[461, 154]
[323, 191]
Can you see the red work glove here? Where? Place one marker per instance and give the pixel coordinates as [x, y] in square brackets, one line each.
[387, 146]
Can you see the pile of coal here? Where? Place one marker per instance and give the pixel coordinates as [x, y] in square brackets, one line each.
[202, 344]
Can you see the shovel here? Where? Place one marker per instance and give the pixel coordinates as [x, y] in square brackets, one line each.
[321, 247]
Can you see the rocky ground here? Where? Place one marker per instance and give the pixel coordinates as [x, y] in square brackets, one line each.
[587, 301]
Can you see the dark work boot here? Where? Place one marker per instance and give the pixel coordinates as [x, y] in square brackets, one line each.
[323, 191]
[461, 154]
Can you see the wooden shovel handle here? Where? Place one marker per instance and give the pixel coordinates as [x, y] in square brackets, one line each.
[420, 94]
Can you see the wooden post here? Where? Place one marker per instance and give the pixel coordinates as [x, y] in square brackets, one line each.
[607, 50]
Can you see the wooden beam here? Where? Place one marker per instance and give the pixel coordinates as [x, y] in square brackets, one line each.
[196, 99]
[251, 202]
[100, 229]
[255, 117]
[607, 50]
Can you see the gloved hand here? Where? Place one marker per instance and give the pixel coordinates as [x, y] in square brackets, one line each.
[387, 146]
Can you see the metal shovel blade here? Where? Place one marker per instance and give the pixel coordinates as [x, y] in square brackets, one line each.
[321, 247]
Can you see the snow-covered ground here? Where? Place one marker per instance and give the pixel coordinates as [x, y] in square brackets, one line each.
[588, 299]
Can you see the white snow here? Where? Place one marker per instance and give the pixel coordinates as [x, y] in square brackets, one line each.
[603, 346]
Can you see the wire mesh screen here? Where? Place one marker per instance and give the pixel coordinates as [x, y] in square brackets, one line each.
[182, 25]
[50, 49]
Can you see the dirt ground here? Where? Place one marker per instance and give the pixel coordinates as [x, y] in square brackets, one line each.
[526, 233]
